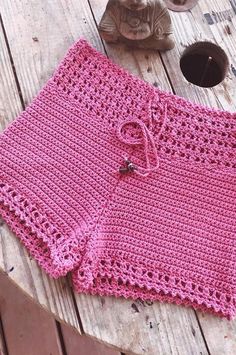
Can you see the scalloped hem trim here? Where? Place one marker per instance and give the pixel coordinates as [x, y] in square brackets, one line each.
[56, 252]
[124, 279]
[163, 298]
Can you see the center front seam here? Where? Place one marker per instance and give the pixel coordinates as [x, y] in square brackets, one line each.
[88, 262]
[148, 134]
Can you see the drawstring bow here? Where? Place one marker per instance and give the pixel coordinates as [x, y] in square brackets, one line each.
[146, 140]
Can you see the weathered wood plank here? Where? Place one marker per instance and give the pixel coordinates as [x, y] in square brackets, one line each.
[30, 330]
[220, 334]
[54, 296]
[186, 27]
[39, 33]
[157, 328]
[84, 345]
[10, 104]
[141, 328]
[32, 76]
[3, 349]
[191, 27]
[34, 65]
[27, 328]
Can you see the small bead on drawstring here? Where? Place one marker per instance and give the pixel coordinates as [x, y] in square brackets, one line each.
[128, 168]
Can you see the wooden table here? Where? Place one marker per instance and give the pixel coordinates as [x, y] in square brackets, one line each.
[34, 36]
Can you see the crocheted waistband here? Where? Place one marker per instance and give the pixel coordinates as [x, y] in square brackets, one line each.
[191, 133]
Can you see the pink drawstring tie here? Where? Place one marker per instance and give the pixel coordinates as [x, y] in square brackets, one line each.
[147, 140]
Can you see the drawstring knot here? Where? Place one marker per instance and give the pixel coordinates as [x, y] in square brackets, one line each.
[146, 140]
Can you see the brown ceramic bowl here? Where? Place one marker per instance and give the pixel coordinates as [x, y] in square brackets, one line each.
[174, 6]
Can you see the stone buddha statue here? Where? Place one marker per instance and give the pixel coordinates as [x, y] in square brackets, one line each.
[139, 23]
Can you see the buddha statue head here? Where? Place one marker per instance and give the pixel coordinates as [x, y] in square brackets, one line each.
[134, 5]
[139, 23]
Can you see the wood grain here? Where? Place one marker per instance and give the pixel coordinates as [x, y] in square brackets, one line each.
[220, 334]
[190, 27]
[55, 296]
[27, 328]
[157, 328]
[141, 328]
[10, 104]
[39, 33]
[84, 345]
[3, 349]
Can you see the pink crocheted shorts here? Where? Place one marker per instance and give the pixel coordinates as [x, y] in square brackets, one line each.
[130, 188]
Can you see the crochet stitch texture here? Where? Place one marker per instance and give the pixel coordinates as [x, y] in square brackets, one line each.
[131, 188]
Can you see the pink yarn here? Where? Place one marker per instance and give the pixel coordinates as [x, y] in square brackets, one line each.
[131, 188]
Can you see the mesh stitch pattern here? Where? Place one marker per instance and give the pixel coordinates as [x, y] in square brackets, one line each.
[167, 234]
